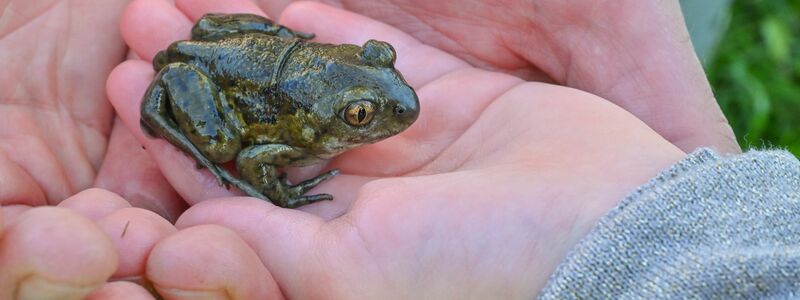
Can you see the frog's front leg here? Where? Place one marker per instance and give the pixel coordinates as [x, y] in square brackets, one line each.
[216, 26]
[257, 165]
[185, 107]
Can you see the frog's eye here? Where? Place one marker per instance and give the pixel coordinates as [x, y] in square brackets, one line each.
[359, 113]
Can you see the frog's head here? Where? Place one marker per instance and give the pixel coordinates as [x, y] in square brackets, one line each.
[368, 100]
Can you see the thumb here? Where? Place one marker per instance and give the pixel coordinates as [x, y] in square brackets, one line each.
[653, 72]
[283, 239]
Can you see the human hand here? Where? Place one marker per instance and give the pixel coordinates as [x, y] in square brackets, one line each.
[54, 138]
[636, 54]
[56, 56]
[50, 251]
[481, 197]
[94, 245]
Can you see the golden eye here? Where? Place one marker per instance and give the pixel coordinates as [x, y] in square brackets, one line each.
[359, 113]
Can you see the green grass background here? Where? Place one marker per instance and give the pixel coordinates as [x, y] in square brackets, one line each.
[755, 72]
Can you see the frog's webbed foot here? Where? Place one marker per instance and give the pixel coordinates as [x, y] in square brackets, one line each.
[295, 193]
[256, 165]
[217, 26]
[281, 192]
[284, 194]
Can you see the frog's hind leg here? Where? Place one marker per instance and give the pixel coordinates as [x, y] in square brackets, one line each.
[160, 60]
[217, 26]
[182, 94]
[256, 164]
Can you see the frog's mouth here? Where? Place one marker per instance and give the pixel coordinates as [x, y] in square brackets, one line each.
[335, 146]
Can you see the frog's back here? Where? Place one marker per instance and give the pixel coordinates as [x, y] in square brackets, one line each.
[246, 59]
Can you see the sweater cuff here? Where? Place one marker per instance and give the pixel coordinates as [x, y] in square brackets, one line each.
[708, 227]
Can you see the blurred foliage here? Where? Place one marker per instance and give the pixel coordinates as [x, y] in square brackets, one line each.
[755, 73]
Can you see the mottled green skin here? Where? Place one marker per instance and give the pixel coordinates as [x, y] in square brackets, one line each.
[246, 89]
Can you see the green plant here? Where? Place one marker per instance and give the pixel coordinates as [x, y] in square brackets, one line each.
[756, 73]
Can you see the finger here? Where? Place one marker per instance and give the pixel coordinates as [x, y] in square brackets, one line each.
[149, 26]
[125, 86]
[94, 203]
[419, 63]
[206, 262]
[120, 290]
[194, 9]
[127, 83]
[274, 7]
[134, 232]
[18, 186]
[143, 185]
[651, 70]
[282, 238]
[11, 212]
[52, 253]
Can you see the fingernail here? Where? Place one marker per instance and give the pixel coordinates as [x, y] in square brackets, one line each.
[35, 287]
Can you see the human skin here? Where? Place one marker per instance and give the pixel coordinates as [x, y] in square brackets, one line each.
[56, 135]
[637, 54]
[59, 129]
[585, 127]
[482, 197]
[94, 245]
[54, 252]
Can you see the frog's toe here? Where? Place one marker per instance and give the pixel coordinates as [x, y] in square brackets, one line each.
[305, 186]
[296, 202]
[293, 195]
[324, 176]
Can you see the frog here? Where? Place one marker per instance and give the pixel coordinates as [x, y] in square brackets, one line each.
[246, 91]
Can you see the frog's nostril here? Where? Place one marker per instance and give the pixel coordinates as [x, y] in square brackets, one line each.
[399, 109]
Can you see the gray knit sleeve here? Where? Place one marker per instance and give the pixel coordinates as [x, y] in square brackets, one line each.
[710, 227]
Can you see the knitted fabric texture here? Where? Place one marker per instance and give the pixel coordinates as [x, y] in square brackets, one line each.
[710, 227]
